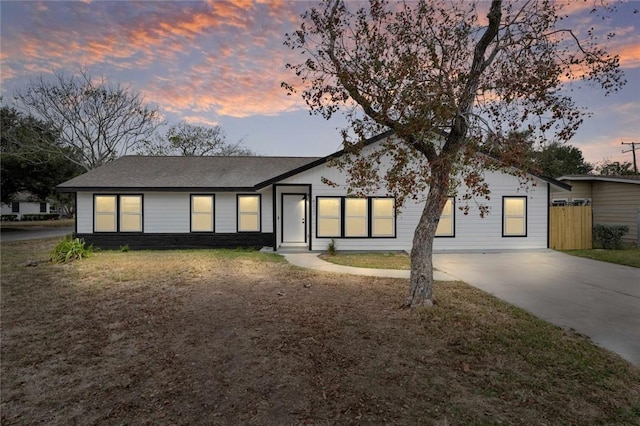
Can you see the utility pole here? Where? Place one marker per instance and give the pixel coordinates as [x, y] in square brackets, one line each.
[633, 150]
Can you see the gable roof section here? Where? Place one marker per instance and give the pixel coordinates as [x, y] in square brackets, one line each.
[136, 173]
[319, 161]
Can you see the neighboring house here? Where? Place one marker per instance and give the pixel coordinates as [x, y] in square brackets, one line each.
[25, 203]
[282, 202]
[614, 199]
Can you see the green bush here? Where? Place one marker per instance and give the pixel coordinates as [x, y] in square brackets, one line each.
[9, 217]
[70, 249]
[609, 236]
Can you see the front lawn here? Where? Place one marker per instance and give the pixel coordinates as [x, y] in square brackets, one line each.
[231, 337]
[629, 257]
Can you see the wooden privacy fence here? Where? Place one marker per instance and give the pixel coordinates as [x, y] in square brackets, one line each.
[570, 227]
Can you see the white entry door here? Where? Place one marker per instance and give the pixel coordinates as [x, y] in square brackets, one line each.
[293, 218]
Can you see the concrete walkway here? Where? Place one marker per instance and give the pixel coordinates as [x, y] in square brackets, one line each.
[598, 299]
[312, 261]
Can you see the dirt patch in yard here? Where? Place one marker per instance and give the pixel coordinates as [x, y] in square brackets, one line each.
[204, 337]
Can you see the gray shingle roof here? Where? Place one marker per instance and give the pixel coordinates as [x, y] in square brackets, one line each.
[185, 173]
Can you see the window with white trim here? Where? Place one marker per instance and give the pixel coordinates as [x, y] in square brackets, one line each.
[248, 213]
[105, 209]
[355, 221]
[329, 211]
[514, 216]
[383, 217]
[446, 227]
[202, 213]
[131, 213]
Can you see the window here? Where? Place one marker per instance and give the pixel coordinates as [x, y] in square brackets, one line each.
[202, 213]
[43, 207]
[15, 207]
[105, 213]
[131, 213]
[514, 216]
[383, 217]
[355, 212]
[248, 213]
[559, 202]
[329, 216]
[446, 226]
[113, 213]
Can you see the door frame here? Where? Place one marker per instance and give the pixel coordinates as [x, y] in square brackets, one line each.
[305, 197]
[284, 188]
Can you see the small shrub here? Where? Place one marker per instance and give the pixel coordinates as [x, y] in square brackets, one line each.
[609, 236]
[124, 248]
[70, 249]
[9, 217]
[331, 247]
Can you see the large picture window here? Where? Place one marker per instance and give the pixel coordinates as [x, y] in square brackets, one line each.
[114, 213]
[446, 226]
[356, 212]
[202, 213]
[372, 217]
[329, 216]
[514, 216]
[248, 213]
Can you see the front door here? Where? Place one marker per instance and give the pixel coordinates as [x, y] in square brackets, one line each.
[294, 207]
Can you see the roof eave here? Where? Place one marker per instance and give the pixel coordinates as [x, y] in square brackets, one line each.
[156, 189]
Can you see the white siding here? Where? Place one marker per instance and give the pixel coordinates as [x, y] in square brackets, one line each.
[84, 213]
[267, 210]
[471, 231]
[166, 212]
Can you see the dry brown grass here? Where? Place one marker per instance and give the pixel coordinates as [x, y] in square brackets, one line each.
[197, 337]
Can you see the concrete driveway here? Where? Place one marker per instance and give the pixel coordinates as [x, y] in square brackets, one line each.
[598, 299]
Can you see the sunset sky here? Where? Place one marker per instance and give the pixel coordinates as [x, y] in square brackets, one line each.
[222, 63]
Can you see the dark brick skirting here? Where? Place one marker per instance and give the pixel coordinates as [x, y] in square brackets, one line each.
[177, 241]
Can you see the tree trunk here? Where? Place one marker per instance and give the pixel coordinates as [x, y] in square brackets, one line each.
[421, 282]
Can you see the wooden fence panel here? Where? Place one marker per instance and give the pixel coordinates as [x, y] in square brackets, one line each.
[570, 227]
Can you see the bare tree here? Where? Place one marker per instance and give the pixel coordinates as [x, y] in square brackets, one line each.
[191, 140]
[95, 120]
[450, 85]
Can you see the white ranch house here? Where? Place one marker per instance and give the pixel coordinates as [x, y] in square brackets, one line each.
[282, 203]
